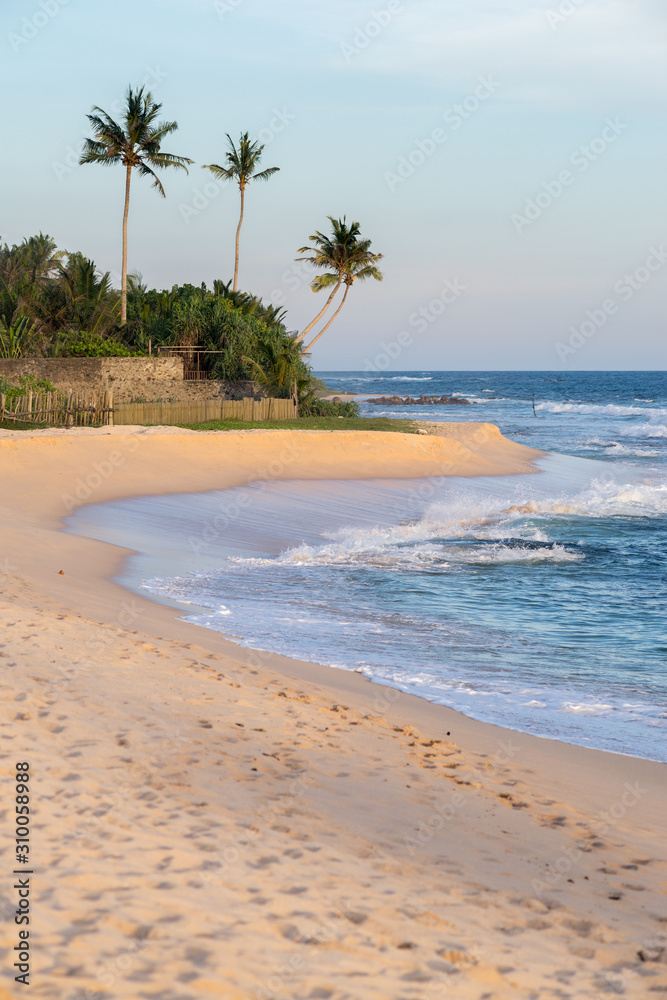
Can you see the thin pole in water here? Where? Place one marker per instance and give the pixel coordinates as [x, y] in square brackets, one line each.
[534, 414]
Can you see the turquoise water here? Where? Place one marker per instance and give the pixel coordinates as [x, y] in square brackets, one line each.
[537, 602]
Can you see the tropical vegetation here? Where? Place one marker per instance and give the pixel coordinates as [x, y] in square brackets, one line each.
[57, 303]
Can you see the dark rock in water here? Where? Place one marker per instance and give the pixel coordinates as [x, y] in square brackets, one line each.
[422, 401]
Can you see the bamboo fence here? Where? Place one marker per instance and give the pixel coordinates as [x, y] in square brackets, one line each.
[59, 409]
[97, 409]
[201, 411]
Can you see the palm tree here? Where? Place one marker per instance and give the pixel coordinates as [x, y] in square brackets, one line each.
[241, 165]
[136, 144]
[18, 340]
[279, 369]
[27, 273]
[359, 269]
[87, 298]
[350, 259]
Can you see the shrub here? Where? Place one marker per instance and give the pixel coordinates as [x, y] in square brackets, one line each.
[79, 344]
[327, 408]
[27, 383]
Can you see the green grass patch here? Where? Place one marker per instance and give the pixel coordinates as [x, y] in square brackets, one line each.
[19, 425]
[311, 424]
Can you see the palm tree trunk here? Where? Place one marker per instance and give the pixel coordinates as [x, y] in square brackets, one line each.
[238, 235]
[123, 276]
[325, 328]
[320, 314]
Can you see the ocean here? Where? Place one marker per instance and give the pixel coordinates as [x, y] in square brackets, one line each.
[536, 602]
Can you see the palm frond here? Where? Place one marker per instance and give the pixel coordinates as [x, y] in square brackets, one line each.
[97, 152]
[265, 174]
[163, 160]
[145, 171]
[324, 281]
[222, 173]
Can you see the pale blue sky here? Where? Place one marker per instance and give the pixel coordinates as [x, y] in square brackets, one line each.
[346, 93]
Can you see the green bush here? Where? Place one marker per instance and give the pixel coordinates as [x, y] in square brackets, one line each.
[27, 383]
[79, 344]
[326, 408]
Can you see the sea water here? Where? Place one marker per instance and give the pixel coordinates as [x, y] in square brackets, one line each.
[537, 602]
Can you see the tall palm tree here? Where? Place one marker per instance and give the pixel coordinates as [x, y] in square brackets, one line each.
[345, 257]
[136, 144]
[241, 166]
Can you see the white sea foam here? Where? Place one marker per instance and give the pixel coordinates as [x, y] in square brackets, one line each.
[608, 409]
[647, 430]
[488, 531]
[617, 448]
[572, 708]
[425, 557]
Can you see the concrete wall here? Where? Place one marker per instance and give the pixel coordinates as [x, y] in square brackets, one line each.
[129, 379]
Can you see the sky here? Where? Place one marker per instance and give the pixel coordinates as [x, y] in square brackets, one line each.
[507, 157]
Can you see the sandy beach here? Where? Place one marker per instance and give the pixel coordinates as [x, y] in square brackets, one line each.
[212, 821]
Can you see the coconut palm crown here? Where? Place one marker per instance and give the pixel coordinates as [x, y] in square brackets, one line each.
[137, 144]
[242, 163]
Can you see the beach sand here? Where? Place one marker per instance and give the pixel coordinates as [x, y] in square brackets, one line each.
[212, 821]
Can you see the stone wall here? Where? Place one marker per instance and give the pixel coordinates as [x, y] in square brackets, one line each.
[149, 379]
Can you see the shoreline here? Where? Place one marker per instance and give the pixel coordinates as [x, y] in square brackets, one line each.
[161, 555]
[527, 791]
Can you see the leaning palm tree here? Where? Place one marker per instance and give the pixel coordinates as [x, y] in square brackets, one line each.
[136, 144]
[360, 268]
[329, 253]
[350, 259]
[241, 166]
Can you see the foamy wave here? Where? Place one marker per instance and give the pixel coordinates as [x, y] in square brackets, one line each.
[529, 553]
[617, 448]
[647, 430]
[463, 531]
[609, 409]
[572, 708]
[428, 556]
[605, 499]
